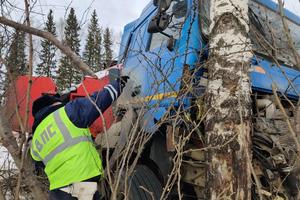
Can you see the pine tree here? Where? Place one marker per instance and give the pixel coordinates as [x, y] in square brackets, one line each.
[16, 60]
[47, 65]
[107, 40]
[93, 49]
[68, 74]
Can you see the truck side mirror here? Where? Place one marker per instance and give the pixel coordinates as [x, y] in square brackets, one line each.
[162, 4]
[159, 23]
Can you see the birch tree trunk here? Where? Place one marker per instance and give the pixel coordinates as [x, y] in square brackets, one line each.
[228, 123]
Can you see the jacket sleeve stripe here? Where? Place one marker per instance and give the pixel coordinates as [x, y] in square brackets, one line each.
[110, 92]
[82, 112]
[114, 90]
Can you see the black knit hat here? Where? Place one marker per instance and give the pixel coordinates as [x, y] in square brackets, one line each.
[42, 102]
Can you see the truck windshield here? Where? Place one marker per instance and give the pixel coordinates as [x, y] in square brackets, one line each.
[177, 10]
[268, 35]
[266, 30]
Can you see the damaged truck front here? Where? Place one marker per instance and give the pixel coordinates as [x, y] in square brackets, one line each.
[153, 146]
[164, 53]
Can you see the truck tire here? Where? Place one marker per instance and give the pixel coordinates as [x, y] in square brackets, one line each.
[143, 177]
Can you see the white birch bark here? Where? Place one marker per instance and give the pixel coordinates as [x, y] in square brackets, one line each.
[228, 122]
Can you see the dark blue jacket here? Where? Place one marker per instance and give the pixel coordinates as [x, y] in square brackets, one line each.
[81, 111]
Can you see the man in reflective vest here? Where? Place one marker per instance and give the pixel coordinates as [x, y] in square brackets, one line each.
[62, 142]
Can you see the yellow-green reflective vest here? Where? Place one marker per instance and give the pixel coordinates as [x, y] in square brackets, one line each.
[67, 151]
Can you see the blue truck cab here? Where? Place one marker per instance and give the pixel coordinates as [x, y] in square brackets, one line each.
[159, 60]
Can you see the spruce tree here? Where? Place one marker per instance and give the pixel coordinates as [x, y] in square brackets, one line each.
[16, 60]
[68, 74]
[107, 40]
[47, 65]
[93, 49]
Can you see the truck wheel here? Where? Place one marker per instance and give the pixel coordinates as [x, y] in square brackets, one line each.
[144, 185]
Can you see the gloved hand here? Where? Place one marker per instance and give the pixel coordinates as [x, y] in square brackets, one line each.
[123, 80]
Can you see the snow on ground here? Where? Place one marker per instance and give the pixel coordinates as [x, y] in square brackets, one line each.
[6, 161]
[8, 175]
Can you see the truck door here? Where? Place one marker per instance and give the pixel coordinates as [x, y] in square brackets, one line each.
[157, 69]
[167, 64]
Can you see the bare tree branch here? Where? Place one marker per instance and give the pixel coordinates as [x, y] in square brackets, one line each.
[24, 140]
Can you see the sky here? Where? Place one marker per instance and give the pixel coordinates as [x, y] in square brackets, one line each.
[112, 13]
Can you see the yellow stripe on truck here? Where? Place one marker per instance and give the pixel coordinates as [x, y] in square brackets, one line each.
[161, 96]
